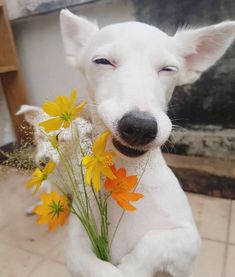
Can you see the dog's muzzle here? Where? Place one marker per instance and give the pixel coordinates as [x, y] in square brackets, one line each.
[136, 129]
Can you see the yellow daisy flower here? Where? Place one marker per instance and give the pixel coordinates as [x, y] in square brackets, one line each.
[40, 175]
[99, 163]
[53, 211]
[63, 111]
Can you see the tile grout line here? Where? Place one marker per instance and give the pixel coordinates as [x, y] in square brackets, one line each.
[55, 261]
[214, 240]
[41, 258]
[36, 267]
[227, 240]
[22, 249]
[44, 259]
[31, 252]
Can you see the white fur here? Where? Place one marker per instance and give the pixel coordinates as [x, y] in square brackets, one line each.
[161, 235]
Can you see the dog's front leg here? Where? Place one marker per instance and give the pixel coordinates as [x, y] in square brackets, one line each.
[81, 260]
[172, 251]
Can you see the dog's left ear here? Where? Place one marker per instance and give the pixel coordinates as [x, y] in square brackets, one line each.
[201, 48]
[76, 32]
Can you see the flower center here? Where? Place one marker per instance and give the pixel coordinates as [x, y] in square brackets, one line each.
[56, 208]
[66, 116]
[122, 185]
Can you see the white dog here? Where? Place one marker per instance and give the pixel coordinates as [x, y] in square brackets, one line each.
[131, 70]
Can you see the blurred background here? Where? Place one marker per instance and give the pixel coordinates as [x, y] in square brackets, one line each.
[201, 150]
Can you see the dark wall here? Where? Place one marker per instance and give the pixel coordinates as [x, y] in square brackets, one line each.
[211, 100]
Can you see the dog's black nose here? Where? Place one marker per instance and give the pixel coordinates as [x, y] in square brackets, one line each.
[137, 128]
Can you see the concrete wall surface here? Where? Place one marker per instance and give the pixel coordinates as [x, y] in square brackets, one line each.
[211, 100]
[24, 8]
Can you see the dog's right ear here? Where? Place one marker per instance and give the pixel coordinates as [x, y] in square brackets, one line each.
[76, 32]
[201, 48]
[32, 114]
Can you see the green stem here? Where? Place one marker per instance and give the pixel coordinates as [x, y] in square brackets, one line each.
[71, 177]
[121, 217]
[78, 140]
[81, 205]
[84, 189]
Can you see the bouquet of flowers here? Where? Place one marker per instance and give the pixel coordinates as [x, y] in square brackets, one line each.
[85, 180]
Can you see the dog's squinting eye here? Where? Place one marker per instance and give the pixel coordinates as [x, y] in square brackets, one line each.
[169, 69]
[102, 61]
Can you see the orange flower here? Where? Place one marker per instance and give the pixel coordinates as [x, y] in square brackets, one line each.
[121, 187]
[53, 211]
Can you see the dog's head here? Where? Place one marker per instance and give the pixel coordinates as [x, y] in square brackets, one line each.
[132, 69]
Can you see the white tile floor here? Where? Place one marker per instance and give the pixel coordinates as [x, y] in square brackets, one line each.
[29, 250]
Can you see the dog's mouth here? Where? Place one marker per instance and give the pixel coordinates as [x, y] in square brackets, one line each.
[126, 150]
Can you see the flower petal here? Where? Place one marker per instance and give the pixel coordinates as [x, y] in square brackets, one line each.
[50, 166]
[106, 171]
[66, 124]
[121, 173]
[78, 109]
[51, 124]
[38, 173]
[52, 224]
[63, 103]
[41, 209]
[42, 220]
[46, 198]
[128, 183]
[89, 172]
[87, 160]
[110, 185]
[130, 196]
[100, 144]
[96, 179]
[55, 196]
[51, 108]
[34, 181]
[63, 219]
[123, 204]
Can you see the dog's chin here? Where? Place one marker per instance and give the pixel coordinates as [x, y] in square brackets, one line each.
[126, 150]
